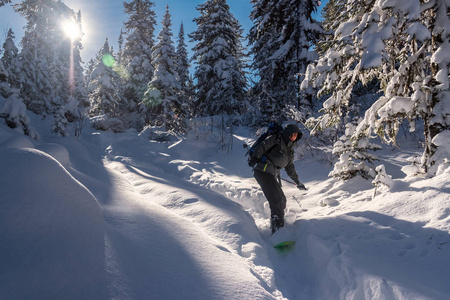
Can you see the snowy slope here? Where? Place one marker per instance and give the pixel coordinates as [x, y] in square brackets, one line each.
[116, 216]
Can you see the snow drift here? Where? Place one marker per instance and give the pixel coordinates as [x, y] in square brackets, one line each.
[51, 228]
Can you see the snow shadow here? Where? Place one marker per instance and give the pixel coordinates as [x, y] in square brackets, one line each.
[149, 259]
[168, 241]
[367, 253]
[86, 166]
[218, 202]
[51, 231]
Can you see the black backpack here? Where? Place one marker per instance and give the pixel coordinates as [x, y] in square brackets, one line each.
[273, 128]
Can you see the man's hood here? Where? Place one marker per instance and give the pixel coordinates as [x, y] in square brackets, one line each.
[290, 129]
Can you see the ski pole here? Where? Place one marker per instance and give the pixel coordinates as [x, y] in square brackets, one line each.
[296, 200]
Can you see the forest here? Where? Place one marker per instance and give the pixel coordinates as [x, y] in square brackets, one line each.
[369, 70]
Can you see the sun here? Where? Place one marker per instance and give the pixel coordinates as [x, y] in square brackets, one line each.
[71, 29]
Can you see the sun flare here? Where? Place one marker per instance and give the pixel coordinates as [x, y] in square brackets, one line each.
[71, 29]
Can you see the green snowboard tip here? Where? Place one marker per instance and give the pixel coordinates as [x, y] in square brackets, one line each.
[284, 245]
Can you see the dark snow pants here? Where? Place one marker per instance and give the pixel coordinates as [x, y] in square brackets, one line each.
[271, 188]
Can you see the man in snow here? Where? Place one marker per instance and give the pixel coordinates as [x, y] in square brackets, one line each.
[271, 155]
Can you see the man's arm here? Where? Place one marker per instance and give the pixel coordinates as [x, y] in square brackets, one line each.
[292, 173]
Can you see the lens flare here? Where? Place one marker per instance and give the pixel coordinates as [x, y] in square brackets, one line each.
[108, 60]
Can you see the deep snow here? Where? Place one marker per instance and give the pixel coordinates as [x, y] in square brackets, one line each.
[116, 216]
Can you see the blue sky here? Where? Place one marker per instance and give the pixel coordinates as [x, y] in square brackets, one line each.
[105, 18]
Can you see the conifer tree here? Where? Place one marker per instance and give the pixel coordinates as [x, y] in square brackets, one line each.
[12, 108]
[10, 51]
[48, 69]
[354, 158]
[220, 71]
[280, 41]
[103, 87]
[78, 104]
[401, 46]
[182, 68]
[221, 79]
[437, 122]
[36, 54]
[165, 81]
[10, 60]
[182, 65]
[137, 51]
[120, 52]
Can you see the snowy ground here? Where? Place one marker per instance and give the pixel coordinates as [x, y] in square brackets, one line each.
[120, 217]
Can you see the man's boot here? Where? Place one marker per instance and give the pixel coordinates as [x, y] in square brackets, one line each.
[276, 223]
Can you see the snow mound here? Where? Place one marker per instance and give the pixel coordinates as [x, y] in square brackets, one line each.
[58, 152]
[19, 141]
[52, 231]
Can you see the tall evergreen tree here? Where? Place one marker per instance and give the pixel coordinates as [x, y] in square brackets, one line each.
[62, 68]
[10, 51]
[103, 87]
[120, 52]
[137, 51]
[48, 69]
[10, 60]
[221, 78]
[182, 68]
[165, 81]
[280, 42]
[337, 74]
[12, 108]
[76, 102]
[79, 102]
[437, 122]
[182, 65]
[36, 55]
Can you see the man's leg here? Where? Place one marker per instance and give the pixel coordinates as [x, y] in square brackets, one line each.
[274, 195]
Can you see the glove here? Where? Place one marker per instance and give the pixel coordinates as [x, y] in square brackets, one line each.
[301, 186]
[252, 162]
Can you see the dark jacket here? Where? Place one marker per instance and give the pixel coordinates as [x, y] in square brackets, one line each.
[276, 152]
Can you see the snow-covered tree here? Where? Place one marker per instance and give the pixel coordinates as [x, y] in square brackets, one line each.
[182, 68]
[354, 158]
[90, 65]
[78, 102]
[120, 41]
[382, 180]
[65, 67]
[401, 44]
[165, 80]
[182, 64]
[103, 87]
[280, 40]
[10, 60]
[60, 122]
[418, 72]
[12, 108]
[48, 69]
[137, 51]
[220, 71]
[221, 78]
[10, 51]
[3, 2]
[438, 121]
[36, 54]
